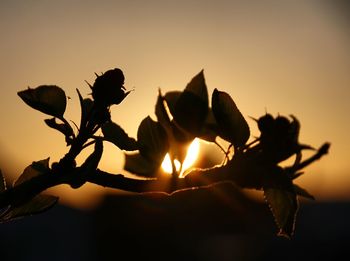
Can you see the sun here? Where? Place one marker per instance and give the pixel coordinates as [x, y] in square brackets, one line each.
[191, 157]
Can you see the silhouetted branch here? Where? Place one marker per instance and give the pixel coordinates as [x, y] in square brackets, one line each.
[197, 178]
[27, 190]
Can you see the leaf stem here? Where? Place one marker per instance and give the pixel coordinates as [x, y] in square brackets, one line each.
[226, 152]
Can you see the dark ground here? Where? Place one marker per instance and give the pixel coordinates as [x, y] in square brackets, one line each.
[209, 224]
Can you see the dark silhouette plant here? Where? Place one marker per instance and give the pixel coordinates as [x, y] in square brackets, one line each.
[182, 116]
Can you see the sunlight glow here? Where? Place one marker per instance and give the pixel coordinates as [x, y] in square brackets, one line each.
[190, 159]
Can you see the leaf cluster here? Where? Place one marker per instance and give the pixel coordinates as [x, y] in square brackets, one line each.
[182, 116]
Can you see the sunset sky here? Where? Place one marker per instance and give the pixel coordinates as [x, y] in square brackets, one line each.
[286, 57]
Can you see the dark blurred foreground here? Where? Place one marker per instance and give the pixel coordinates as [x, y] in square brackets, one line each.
[209, 224]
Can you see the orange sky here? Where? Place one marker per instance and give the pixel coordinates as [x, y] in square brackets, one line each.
[287, 57]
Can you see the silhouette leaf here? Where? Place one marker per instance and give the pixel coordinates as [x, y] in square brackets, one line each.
[139, 165]
[114, 133]
[233, 126]
[153, 140]
[302, 192]
[178, 140]
[38, 204]
[198, 87]
[49, 99]
[91, 163]
[170, 99]
[162, 111]
[64, 128]
[209, 131]
[191, 107]
[35, 169]
[86, 107]
[284, 207]
[2, 182]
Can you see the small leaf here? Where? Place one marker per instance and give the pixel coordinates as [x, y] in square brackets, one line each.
[165, 108]
[192, 106]
[81, 101]
[233, 126]
[178, 139]
[2, 182]
[114, 133]
[284, 207]
[64, 128]
[35, 169]
[153, 140]
[88, 167]
[165, 111]
[86, 108]
[38, 204]
[91, 163]
[139, 165]
[302, 192]
[49, 99]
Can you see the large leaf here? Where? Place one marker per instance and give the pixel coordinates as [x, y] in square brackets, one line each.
[38, 204]
[192, 106]
[233, 126]
[35, 169]
[171, 100]
[153, 140]
[115, 134]
[284, 207]
[139, 165]
[49, 99]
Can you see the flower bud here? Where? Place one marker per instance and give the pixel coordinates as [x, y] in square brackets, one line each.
[279, 137]
[108, 88]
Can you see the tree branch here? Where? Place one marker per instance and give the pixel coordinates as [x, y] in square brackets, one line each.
[196, 178]
[199, 177]
[27, 190]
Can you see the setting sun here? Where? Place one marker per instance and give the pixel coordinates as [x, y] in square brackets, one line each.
[191, 157]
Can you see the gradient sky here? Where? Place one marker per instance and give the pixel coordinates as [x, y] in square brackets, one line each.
[287, 57]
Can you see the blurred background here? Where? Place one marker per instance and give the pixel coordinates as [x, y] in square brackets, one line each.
[281, 57]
